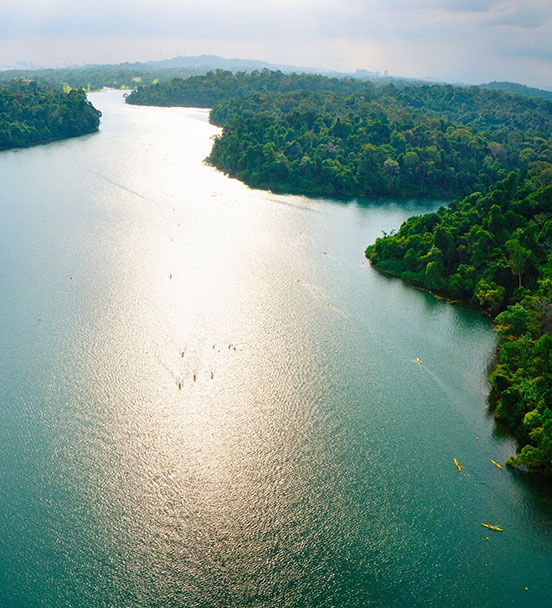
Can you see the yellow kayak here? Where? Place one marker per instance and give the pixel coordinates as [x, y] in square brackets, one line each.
[458, 465]
[491, 527]
[496, 464]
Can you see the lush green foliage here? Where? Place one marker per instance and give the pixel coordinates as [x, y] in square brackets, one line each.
[91, 78]
[358, 145]
[130, 75]
[518, 89]
[32, 114]
[344, 136]
[206, 90]
[495, 251]
[522, 379]
[486, 248]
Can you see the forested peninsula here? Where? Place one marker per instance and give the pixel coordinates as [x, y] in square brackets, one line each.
[487, 149]
[348, 137]
[33, 113]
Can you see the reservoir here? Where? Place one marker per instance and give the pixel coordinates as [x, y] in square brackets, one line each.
[210, 399]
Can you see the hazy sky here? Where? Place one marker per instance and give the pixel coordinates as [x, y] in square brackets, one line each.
[470, 41]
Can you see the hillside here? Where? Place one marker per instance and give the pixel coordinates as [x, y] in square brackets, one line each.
[33, 114]
[348, 137]
[518, 89]
[131, 75]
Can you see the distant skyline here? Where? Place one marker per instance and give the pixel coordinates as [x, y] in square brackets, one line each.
[469, 41]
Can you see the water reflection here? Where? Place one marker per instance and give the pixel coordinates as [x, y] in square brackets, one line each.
[223, 405]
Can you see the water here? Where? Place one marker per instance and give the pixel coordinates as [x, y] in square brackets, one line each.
[209, 399]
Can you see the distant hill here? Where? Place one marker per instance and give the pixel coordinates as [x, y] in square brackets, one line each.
[518, 89]
[129, 75]
[214, 62]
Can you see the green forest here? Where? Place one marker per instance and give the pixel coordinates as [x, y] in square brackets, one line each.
[487, 149]
[128, 75]
[348, 137]
[32, 113]
[90, 78]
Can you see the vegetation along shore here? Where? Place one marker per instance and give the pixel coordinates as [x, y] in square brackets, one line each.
[34, 113]
[487, 149]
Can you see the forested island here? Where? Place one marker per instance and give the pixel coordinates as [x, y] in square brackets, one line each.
[488, 149]
[32, 113]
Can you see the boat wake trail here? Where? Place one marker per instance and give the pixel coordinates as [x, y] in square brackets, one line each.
[112, 182]
[319, 295]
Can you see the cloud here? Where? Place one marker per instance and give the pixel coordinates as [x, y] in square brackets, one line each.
[447, 38]
[273, 18]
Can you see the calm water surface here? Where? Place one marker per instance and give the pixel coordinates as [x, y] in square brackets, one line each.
[209, 399]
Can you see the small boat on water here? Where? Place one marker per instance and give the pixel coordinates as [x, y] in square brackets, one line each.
[491, 527]
[496, 464]
[418, 360]
[458, 465]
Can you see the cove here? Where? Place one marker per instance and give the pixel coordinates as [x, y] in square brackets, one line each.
[210, 399]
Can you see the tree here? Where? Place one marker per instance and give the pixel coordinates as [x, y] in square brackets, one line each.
[489, 295]
[518, 257]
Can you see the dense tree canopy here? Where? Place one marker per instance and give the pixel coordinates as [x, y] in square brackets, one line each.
[347, 137]
[325, 143]
[519, 89]
[90, 78]
[32, 114]
[223, 85]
